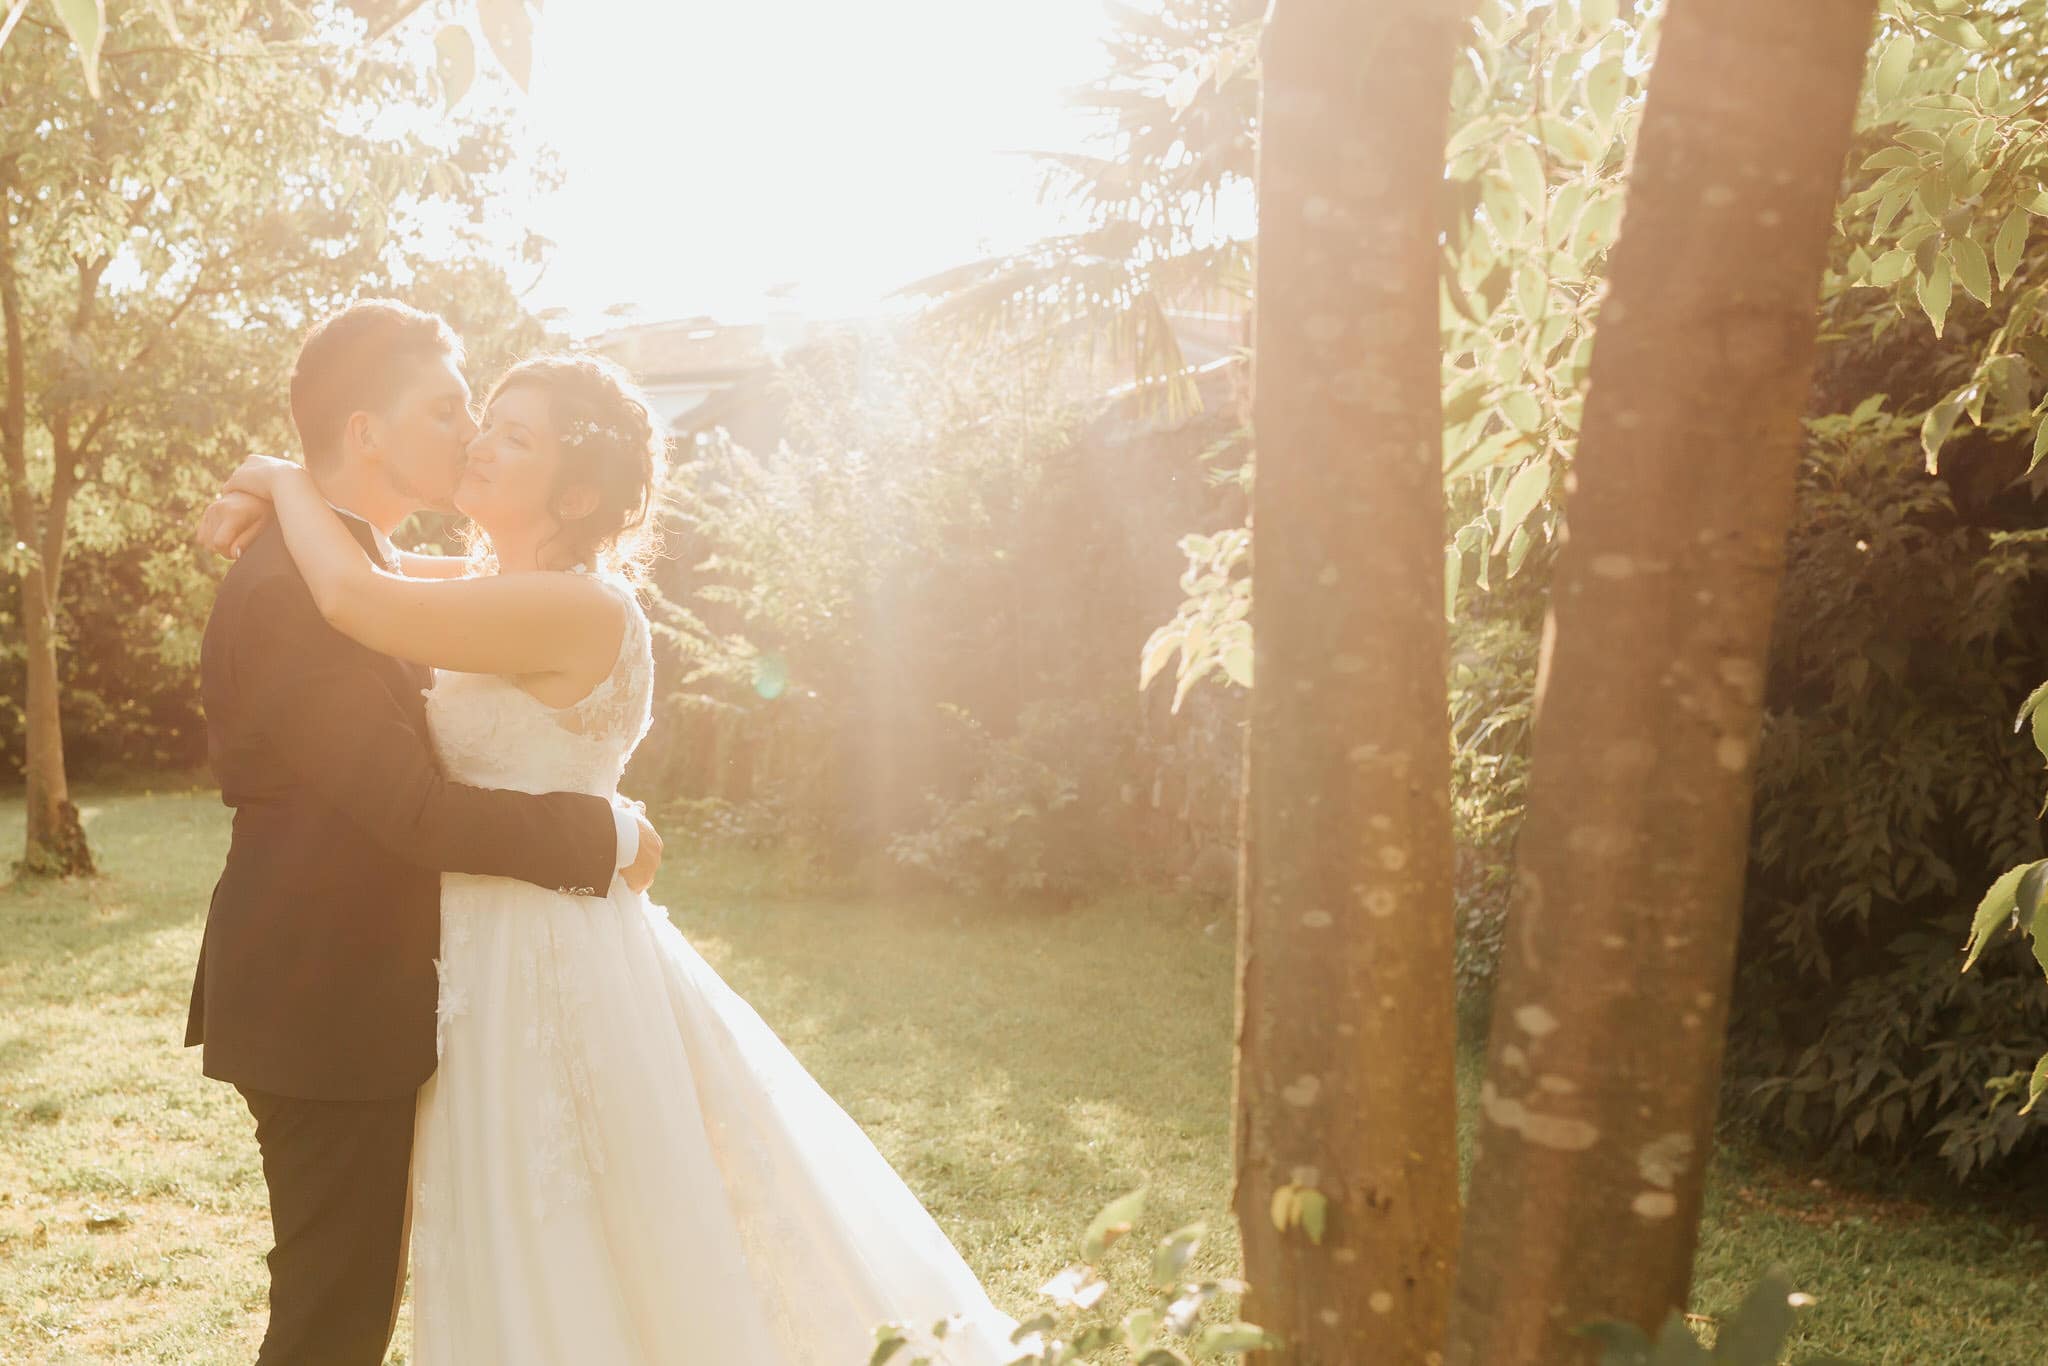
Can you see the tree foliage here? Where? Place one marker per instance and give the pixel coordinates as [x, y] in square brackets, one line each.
[169, 231]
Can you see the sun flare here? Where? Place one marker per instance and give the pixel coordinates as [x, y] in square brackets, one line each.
[812, 153]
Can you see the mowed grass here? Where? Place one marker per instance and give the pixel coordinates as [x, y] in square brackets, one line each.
[1020, 1068]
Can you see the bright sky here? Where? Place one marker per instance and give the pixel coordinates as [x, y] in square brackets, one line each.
[716, 151]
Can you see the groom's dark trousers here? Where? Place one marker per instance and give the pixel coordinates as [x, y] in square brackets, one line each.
[316, 987]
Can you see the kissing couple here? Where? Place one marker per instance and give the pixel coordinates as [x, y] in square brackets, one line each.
[430, 964]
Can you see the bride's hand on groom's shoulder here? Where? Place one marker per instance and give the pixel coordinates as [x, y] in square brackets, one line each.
[258, 475]
[231, 521]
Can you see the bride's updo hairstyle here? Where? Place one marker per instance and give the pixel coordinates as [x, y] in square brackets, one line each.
[612, 442]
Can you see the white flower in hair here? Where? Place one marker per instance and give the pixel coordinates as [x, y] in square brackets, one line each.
[583, 430]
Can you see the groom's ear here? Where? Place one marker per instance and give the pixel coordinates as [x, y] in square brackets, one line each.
[360, 431]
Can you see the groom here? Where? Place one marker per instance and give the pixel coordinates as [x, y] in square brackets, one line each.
[316, 986]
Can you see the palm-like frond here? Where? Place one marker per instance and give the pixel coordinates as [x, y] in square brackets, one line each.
[1178, 101]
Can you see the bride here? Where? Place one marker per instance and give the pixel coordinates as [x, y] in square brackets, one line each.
[616, 1162]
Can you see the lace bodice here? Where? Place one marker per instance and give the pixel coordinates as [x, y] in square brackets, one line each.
[490, 732]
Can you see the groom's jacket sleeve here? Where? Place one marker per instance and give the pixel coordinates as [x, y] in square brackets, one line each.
[335, 725]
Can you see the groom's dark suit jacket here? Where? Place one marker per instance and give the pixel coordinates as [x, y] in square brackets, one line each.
[316, 978]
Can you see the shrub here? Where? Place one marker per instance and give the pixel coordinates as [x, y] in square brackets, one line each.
[1890, 791]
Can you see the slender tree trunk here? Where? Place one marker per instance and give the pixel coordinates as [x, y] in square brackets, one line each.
[1605, 1056]
[1344, 1015]
[55, 842]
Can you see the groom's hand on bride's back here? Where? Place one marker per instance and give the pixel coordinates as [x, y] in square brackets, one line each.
[639, 874]
[230, 522]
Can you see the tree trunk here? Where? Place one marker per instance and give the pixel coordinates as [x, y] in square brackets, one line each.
[1605, 1055]
[1345, 1029]
[55, 843]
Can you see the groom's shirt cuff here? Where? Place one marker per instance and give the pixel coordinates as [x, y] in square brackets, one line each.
[629, 836]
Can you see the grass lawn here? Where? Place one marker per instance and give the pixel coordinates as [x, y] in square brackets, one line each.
[1020, 1070]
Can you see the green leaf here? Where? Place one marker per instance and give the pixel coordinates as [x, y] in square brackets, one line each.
[1598, 14]
[1568, 142]
[86, 22]
[1936, 290]
[1931, 192]
[1961, 32]
[1959, 163]
[1041, 1323]
[1523, 493]
[1518, 549]
[1891, 268]
[2040, 444]
[1604, 84]
[1521, 409]
[1175, 1251]
[1139, 1327]
[1972, 270]
[889, 1340]
[2027, 896]
[2031, 709]
[455, 61]
[1892, 69]
[1454, 570]
[1464, 400]
[1525, 172]
[1941, 420]
[1924, 242]
[508, 28]
[1236, 658]
[1112, 1223]
[1891, 158]
[1993, 911]
[2011, 244]
[1315, 1214]
[1158, 650]
[2037, 1084]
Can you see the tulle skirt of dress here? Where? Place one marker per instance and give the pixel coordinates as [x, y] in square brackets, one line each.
[619, 1164]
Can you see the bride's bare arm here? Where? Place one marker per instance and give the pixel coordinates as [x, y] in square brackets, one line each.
[523, 624]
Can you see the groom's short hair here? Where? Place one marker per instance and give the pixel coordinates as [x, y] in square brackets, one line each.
[358, 360]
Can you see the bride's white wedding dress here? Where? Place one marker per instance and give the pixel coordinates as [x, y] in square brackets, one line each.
[618, 1163]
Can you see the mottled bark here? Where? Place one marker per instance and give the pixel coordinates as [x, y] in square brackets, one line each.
[1345, 1029]
[1605, 1055]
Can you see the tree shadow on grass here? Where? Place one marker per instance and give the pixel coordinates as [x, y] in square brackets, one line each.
[159, 856]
